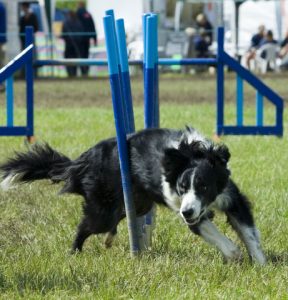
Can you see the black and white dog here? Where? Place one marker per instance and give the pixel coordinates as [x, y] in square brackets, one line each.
[180, 169]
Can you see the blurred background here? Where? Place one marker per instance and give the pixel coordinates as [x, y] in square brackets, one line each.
[73, 29]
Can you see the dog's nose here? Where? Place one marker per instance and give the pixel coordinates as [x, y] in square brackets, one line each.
[188, 213]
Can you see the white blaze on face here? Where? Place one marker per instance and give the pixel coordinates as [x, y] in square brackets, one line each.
[190, 201]
[171, 198]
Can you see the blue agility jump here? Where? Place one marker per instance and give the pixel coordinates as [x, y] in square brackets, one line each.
[25, 58]
[262, 90]
[222, 60]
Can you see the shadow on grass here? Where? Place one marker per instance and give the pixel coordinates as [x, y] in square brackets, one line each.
[278, 258]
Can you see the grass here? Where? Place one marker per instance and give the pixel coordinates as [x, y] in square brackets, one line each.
[37, 227]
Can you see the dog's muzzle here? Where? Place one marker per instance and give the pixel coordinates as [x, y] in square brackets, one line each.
[188, 216]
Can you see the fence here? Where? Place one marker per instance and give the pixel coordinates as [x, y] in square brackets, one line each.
[25, 58]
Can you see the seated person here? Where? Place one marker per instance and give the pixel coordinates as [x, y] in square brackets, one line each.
[283, 54]
[265, 46]
[255, 44]
[205, 27]
[202, 44]
[284, 47]
[268, 39]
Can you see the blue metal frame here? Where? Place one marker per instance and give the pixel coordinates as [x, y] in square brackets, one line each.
[239, 101]
[262, 91]
[29, 83]
[259, 109]
[220, 81]
[104, 62]
[25, 58]
[222, 59]
[10, 101]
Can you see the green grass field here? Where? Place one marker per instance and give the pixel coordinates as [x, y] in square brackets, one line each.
[37, 226]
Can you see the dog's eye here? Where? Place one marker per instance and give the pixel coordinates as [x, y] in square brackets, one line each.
[200, 184]
[182, 187]
[203, 187]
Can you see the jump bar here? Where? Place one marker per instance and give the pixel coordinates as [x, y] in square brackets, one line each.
[101, 62]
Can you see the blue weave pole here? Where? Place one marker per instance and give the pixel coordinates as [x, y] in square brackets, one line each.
[127, 105]
[149, 60]
[115, 84]
[156, 73]
[127, 94]
[110, 13]
[151, 105]
[10, 101]
[239, 100]
[29, 84]
[144, 22]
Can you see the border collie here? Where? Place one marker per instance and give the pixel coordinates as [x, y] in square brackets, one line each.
[180, 169]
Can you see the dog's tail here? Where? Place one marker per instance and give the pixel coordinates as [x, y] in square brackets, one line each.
[40, 162]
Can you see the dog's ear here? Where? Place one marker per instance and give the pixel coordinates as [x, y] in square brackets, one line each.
[195, 149]
[222, 153]
[173, 163]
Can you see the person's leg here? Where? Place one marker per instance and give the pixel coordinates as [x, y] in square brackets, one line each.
[70, 53]
[250, 56]
[85, 55]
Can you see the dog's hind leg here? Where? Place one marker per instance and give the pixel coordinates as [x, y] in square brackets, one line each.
[83, 232]
[109, 238]
[209, 232]
[97, 220]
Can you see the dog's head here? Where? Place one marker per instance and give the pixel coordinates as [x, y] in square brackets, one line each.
[198, 173]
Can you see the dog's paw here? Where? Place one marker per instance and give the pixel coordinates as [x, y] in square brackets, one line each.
[109, 238]
[234, 256]
[75, 251]
[259, 258]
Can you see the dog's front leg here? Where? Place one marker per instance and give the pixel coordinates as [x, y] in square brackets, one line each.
[250, 237]
[209, 232]
[240, 217]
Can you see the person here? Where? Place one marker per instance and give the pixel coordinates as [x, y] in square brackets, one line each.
[27, 19]
[73, 40]
[256, 41]
[283, 53]
[3, 39]
[201, 44]
[268, 39]
[284, 46]
[203, 24]
[90, 33]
